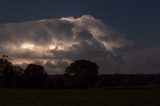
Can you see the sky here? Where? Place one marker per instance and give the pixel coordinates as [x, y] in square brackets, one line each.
[60, 31]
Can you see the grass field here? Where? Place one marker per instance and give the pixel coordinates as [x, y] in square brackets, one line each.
[85, 97]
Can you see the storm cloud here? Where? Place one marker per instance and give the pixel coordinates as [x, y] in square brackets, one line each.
[55, 43]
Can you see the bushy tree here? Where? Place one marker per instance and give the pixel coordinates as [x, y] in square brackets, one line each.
[81, 73]
[7, 73]
[18, 79]
[34, 76]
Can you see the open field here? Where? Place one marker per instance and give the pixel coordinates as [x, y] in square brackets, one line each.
[84, 97]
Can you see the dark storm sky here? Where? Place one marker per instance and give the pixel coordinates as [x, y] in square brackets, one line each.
[139, 19]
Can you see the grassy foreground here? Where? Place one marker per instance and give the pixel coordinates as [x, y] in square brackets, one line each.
[85, 97]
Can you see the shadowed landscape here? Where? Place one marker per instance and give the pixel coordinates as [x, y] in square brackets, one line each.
[80, 85]
[79, 74]
[80, 53]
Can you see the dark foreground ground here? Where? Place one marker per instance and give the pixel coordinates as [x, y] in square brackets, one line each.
[84, 97]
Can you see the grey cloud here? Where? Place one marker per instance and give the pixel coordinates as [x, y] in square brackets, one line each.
[84, 49]
[54, 66]
[61, 39]
[57, 68]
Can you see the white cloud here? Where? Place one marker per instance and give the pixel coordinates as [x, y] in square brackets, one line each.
[62, 40]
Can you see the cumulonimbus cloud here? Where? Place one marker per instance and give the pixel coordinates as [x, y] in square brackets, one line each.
[63, 40]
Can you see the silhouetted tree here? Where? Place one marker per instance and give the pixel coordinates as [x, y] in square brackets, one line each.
[18, 79]
[7, 73]
[81, 73]
[34, 76]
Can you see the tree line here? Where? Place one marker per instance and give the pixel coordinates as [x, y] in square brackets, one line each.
[79, 74]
